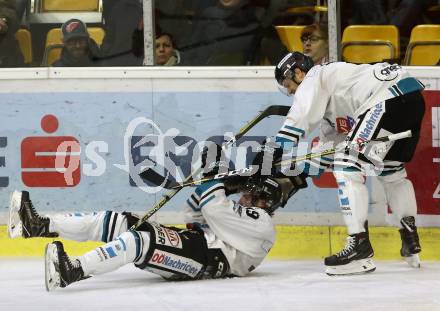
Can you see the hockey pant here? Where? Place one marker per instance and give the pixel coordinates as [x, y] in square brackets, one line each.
[173, 253]
[383, 160]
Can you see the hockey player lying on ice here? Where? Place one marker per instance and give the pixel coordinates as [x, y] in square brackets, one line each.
[357, 103]
[224, 238]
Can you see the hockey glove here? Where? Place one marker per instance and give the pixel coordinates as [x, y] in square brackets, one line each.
[269, 154]
[234, 184]
[213, 161]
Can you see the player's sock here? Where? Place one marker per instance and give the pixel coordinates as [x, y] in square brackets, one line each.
[410, 242]
[355, 258]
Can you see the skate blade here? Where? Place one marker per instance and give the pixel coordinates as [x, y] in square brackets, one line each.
[413, 260]
[15, 226]
[52, 275]
[355, 267]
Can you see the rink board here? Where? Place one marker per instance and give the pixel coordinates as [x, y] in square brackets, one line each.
[292, 242]
[95, 111]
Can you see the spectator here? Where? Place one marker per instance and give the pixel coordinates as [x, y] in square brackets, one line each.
[10, 53]
[166, 53]
[217, 33]
[368, 12]
[315, 42]
[21, 7]
[406, 14]
[122, 18]
[79, 49]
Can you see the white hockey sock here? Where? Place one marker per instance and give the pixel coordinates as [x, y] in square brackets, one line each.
[97, 226]
[400, 195]
[353, 199]
[127, 248]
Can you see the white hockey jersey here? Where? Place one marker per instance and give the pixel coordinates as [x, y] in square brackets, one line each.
[244, 234]
[335, 94]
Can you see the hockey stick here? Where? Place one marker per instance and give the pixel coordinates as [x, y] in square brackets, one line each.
[274, 110]
[309, 156]
[250, 170]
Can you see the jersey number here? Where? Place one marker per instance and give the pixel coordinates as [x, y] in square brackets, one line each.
[252, 213]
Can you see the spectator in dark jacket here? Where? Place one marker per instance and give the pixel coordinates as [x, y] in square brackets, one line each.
[10, 53]
[122, 19]
[79, 49]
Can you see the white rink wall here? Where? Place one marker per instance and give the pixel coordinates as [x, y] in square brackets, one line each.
[95, 109]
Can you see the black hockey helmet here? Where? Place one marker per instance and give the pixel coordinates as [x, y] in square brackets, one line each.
[273, 190]
[286, 67]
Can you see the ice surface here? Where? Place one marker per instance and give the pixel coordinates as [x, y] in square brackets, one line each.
[276, 285]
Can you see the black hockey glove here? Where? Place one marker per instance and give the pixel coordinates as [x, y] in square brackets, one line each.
[234, 184]
[213, 161]
[269, 154]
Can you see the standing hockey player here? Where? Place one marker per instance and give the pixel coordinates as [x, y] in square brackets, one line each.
[224, 237]
[358, 103]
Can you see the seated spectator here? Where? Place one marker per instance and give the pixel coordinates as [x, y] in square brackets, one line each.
[79, 49]
[315, 42]
[166, 53]
[10, 53]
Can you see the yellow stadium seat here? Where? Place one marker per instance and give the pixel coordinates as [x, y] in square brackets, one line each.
[69, 5]
[290, 36]
[424, 46]
[54, 43]
[308, 9]
[24, 39]
[370, 43]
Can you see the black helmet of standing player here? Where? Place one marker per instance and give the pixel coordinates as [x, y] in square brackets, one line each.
[266, 193]
[291, 70]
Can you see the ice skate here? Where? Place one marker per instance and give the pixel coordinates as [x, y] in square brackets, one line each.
[355, 258]
[24, 220]
[410, 242]
[60, 271]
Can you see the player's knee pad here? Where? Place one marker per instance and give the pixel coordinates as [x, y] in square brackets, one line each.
[137, 244]
[394, 177]
[124, 246]
[131, 219]
[397, 185]
[113, 224]
[345, 177]
[351, 190]
[400, 194]
[353, 199]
